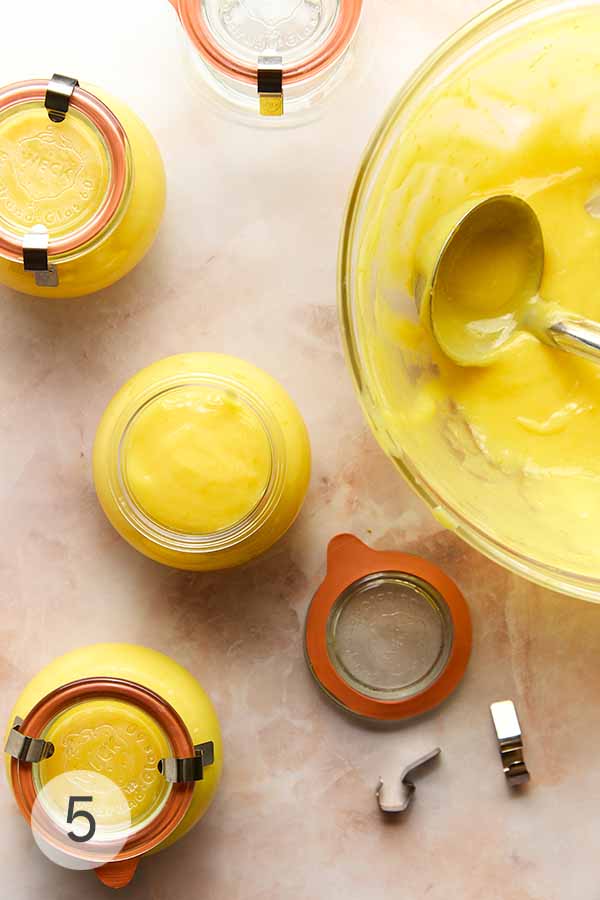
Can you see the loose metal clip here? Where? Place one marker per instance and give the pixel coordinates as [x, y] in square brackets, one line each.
[35, 257]
[58, 97]
[270, 85]
[402, 800]
[181, 771]
[510, 742]
[27, 749]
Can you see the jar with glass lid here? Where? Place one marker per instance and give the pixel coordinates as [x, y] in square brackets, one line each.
[266, 62]
[202, 461]
[121, 739]
[82, 188]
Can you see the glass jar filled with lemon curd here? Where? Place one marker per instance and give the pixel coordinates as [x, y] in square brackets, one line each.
[113, 752]
[82, 188]
[505, 453]
[202, 461]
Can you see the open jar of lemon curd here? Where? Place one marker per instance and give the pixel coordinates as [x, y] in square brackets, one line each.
[268, 63]
[201, 461]
[82, 188]
[113, 752]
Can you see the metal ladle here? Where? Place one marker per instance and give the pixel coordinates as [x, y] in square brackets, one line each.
[472, 319]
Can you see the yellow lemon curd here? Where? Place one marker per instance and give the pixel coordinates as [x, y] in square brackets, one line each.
[512, 447]
[57, 175]
[201, 461]
[117, 739]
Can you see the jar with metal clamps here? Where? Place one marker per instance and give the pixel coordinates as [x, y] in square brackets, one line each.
[268, 63]
[82, 188]
[112, 752]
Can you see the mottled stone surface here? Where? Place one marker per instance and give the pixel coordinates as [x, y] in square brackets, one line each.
[245, 263]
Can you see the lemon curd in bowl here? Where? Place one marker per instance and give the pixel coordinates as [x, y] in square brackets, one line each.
[505, 454]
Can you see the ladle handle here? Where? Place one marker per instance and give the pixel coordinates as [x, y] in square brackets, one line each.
[577, 336]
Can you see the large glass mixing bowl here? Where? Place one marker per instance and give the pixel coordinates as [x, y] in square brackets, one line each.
[509, 513]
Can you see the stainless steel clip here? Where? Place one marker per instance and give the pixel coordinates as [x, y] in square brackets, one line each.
[27, 749]
[510, 742]
[400, 802]
[181, 771]
[270, 85]
[58, 97]
[35, 257]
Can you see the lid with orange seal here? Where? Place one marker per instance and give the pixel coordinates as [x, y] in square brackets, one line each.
[272, 45]
[64, 173]
[113, 755]
[388, 635]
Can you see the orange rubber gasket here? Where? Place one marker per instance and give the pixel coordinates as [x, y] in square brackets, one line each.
[193, 21]
[348, 560]
[180, 797]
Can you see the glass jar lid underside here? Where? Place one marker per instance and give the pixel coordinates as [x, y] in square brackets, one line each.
[390, 635]
[293, 29]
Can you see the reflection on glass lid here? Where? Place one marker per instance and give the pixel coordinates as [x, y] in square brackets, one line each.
[293, 29]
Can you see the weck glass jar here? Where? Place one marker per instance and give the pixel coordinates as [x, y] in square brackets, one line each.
[82, 188]
[265, 62]
[122, 737]
[201, 461]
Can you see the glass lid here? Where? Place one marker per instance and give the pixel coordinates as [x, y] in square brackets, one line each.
[305, 35]
[388, 635]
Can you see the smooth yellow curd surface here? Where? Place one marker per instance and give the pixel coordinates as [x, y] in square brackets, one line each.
[57, 175]
[117, 740]
[512, 447]
[105, 735]
[204, 441]
[197, 459]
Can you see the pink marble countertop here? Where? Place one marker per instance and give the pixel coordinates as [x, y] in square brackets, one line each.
[246, 264]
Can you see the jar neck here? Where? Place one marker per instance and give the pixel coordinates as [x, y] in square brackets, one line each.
[186, 542]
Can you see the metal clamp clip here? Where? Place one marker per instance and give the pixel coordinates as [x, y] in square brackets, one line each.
[35, 257]
[181, 771]
[270, 85]
[402, 800]
[510, 742]
[58, 97]
[27, 749]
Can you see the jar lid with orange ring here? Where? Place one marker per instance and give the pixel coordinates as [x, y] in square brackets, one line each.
[261, 58]
[118, 756]
[388, 634]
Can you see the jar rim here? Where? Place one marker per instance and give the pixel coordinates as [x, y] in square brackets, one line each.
[216, 541]
[45, 711]
[114, 135]
[336, 44]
